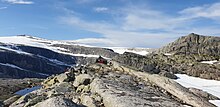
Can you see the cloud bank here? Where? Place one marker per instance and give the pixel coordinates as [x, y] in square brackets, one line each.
[18, 1]
[139, 26]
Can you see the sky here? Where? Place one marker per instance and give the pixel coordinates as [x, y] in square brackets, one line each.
[121, 23]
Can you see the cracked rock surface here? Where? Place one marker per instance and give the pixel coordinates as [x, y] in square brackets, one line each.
[97, 85]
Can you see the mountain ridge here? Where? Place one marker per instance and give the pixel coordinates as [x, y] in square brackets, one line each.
[55, 55]
[194, 44]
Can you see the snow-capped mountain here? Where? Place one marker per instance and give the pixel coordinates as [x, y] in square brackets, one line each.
[28, 56]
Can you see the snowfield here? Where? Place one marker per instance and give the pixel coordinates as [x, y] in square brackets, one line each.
[210, 86]
[121, 50]
[48, 44]
[38, 42]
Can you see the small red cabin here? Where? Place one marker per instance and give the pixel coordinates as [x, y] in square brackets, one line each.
[101, 60]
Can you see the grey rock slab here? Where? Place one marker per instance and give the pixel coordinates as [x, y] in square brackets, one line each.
[57, 102]
[115, 94]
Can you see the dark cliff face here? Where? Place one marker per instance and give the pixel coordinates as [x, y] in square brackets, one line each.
[21, 61]
[32, 62]
[194, 44]
[48, 54]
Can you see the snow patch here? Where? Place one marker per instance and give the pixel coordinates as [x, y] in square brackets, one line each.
[215, 102]
[43, 74]
[167, 54]
[14, 50]
[209, 62]
[210, 86]
[27, 90]
[13, 66]
[121, 50]
[54, 61]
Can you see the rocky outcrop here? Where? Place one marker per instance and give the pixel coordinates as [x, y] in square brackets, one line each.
[152, 63]
[168, 85]
[204, 47]
[125, 96]
[181, 56]
[98, 85]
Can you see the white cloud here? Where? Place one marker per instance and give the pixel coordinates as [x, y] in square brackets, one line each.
[1, 8]
[100, 9]
[113, 35]
[18, 1]
[207, 11]
[138, 26]
[96, 41]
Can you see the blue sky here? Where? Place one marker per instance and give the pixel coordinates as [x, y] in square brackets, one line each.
[125, 23]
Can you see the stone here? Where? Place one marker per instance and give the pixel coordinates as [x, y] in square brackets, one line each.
[60, 89]
[49, 82]
[168, 75]
[80, 88]
[11, 100]
[76, 99]
[203, 94]
[35, 100]
[86, 89]
[62, 77]
[87, 100]
[57, 102]
[97, 98]
[82, 79]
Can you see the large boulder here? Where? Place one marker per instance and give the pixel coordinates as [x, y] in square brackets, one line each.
[57, 102]
[60, 89]
[87, 100]
[64, 77]
[82, 79]
[168, 74]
